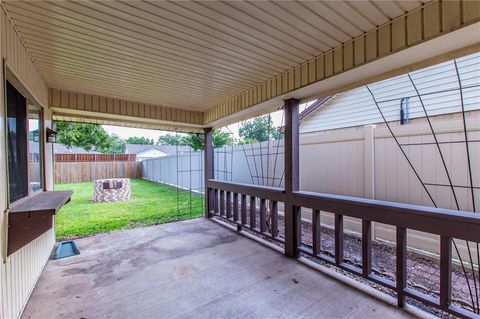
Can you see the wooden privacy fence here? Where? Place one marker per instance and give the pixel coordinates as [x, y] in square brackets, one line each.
[72, 168]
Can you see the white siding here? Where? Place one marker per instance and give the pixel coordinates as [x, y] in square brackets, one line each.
[151, 153]
[20, 272]
[435, 85]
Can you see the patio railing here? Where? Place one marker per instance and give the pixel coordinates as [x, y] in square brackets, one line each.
[237, 203]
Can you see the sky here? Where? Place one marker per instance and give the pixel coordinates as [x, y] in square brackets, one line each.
[126, 132]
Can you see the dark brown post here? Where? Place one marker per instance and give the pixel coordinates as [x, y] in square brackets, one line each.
[401, 265]
[366, 247]
[339, 239]
[235, 207]
[208, 160]
[292, 214]
[316, 232]
[445, 271]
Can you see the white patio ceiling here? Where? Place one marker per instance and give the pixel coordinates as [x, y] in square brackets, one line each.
[189, 55]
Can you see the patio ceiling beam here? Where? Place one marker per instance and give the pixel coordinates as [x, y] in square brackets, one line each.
[421, 25]
[106, 110]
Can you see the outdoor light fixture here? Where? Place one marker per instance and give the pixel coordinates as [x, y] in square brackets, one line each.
[51, 136]
[36, 136]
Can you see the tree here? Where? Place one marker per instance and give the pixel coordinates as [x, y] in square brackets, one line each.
[85, 135]
[196, 142]
[170, 139]
[139, 140]
[118, 144]
[259, 129]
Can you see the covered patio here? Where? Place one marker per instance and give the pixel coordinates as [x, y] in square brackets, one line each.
[192, 269]
[195, 67]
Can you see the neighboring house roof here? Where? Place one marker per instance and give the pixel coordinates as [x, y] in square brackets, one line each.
[167, 149]
[60, 149]
[63, 149]
[438, 86]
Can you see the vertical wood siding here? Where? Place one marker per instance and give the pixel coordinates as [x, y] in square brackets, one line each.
[431, 20]
[19, 275]
[100, 104]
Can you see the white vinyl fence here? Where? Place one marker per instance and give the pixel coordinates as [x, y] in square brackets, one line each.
[185, 170]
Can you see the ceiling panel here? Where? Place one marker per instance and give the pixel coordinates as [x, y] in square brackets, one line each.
[185, 54]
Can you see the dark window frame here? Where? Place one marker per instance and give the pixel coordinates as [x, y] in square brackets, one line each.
[28, 102]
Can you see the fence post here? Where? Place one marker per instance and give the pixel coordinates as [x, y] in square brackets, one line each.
[369, 168]
[292, 213]
[209, 167]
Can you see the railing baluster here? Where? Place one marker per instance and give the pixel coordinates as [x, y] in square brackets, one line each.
[274, 215]
[401, 265]
[253, 212]
[229, 204]
[338, 239]
[222, 203]
[445, 271]
[235, 207]
[366, 247]
[243, 211]
[215, 201]
[316, 231]
[210, 202]
[263, 215]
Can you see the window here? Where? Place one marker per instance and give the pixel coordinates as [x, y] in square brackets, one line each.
[24, 151]
[34, 148]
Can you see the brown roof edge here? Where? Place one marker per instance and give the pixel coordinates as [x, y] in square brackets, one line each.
[312, 108]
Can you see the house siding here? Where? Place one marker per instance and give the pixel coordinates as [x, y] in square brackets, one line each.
[356, 107]
[20, 271]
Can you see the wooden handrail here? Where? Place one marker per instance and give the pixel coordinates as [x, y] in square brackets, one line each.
[273, 193]
[445, 222]
[440, 221]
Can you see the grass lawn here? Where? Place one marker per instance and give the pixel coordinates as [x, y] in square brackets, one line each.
[150, 204]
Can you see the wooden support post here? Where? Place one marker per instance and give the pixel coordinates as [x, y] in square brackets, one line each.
[445, 272]
[208, 161]
[292, 213]
[401, 265]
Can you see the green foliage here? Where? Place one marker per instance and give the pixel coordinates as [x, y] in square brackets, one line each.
[139, 140]
[84, 135]
[118, 144]
[259, 129]
[150, 204]
[195, 141]
[170, 139]
[219, 139]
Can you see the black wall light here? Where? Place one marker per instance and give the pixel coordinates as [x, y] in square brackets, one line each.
[51, 136]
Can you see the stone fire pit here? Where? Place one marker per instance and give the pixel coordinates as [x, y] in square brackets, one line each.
[111, 190]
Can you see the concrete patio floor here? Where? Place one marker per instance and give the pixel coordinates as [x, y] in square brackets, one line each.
[191, 269]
